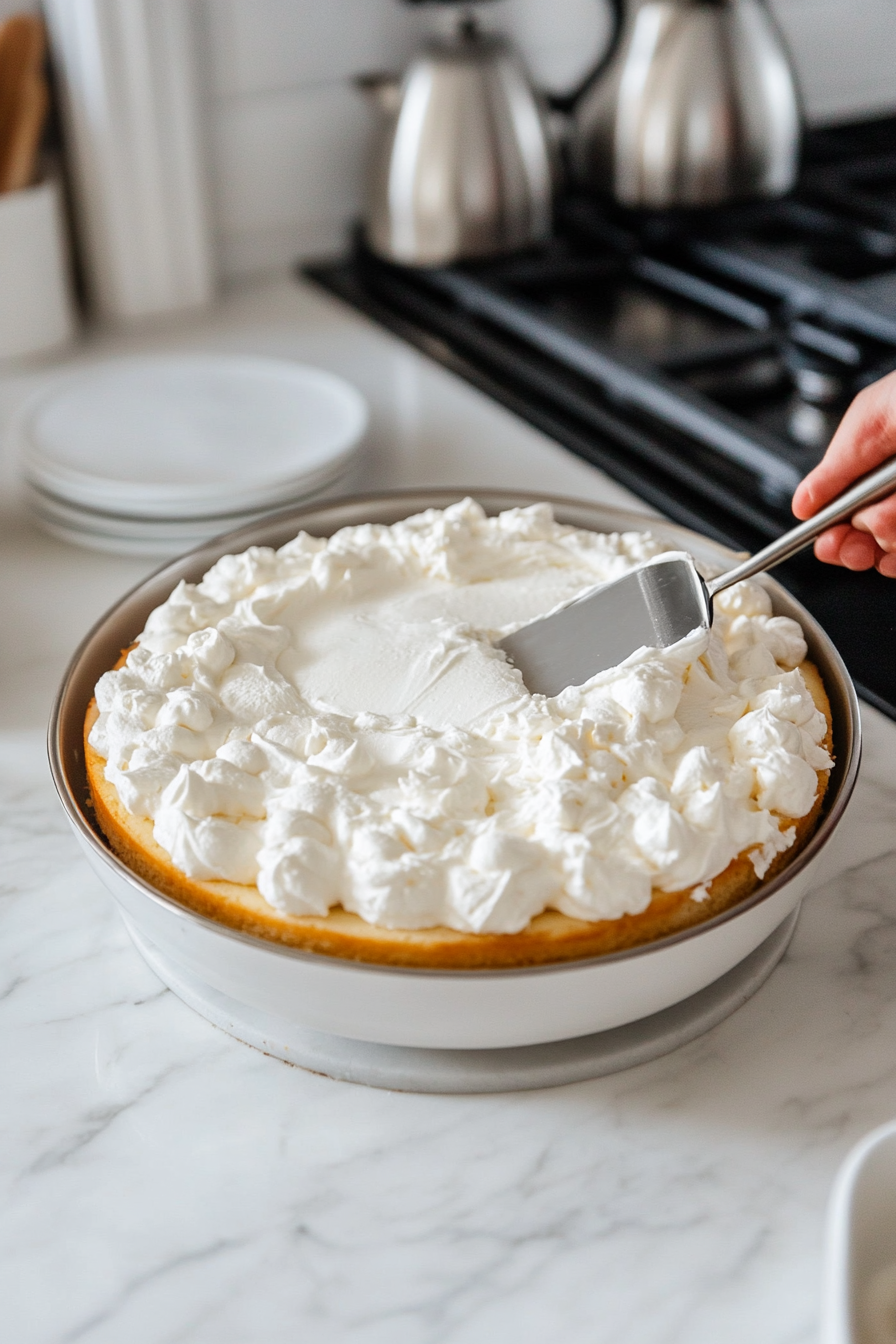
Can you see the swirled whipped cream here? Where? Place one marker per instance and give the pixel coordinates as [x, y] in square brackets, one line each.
[332, 722]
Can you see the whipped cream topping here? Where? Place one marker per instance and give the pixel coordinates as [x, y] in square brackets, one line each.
[332, 722]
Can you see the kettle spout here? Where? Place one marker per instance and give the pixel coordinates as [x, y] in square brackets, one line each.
[382, 90]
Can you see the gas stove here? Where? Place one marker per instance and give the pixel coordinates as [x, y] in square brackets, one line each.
[701, 359]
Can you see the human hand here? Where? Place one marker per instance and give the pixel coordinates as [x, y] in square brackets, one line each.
[866, 437]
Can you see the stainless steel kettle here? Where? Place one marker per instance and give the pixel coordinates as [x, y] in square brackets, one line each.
[462, 166]
[698, 106]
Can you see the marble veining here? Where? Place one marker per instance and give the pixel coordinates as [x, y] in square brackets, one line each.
[162, 1183]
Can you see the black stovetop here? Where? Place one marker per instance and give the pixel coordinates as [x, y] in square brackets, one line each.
[702, 359]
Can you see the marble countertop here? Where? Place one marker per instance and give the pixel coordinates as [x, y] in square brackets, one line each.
[162, 1182]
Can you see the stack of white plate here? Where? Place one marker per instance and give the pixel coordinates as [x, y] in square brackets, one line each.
[152, 455]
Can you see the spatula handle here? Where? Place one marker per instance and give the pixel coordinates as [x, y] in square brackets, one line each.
[876, 485]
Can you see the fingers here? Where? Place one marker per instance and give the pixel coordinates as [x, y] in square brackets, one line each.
[879, 521]
[844, 545]
[827, 546]
[865, 438]
[858, 551]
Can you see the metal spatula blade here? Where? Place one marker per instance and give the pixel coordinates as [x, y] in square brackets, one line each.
[657, 604]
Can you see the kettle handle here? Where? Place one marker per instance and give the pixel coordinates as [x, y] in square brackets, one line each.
[565, 102]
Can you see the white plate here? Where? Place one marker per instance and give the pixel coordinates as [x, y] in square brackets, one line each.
[47, 506]
[185, 436]
[860, 1274]
[136, 536]
[158, 549]
[130, 527]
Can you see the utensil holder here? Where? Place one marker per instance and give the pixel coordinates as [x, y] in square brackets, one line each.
[126, 73]
[36, 308]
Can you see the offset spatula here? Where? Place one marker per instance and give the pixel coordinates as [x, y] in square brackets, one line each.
[658, 604]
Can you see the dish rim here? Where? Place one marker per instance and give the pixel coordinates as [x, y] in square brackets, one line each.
[68, 702]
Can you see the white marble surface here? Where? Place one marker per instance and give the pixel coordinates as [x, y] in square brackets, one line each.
[162, 1183]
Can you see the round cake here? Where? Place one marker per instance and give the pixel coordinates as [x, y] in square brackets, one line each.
[322, 746]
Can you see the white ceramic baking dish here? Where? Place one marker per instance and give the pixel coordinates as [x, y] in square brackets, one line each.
[859, 1300]
[447, 1010]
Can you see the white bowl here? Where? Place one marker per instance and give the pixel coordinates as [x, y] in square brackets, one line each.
[36, 308]
[436, 1009]
[185, 436]
[860, 1271]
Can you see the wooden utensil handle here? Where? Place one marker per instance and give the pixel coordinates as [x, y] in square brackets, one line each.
[23, 98]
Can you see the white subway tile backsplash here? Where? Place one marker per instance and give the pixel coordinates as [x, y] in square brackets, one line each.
[561, 39]
[287, 163]
[844, 54]
[277, 249]
[260, 46]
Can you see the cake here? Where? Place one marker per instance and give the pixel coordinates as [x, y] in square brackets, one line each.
[322, 747]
